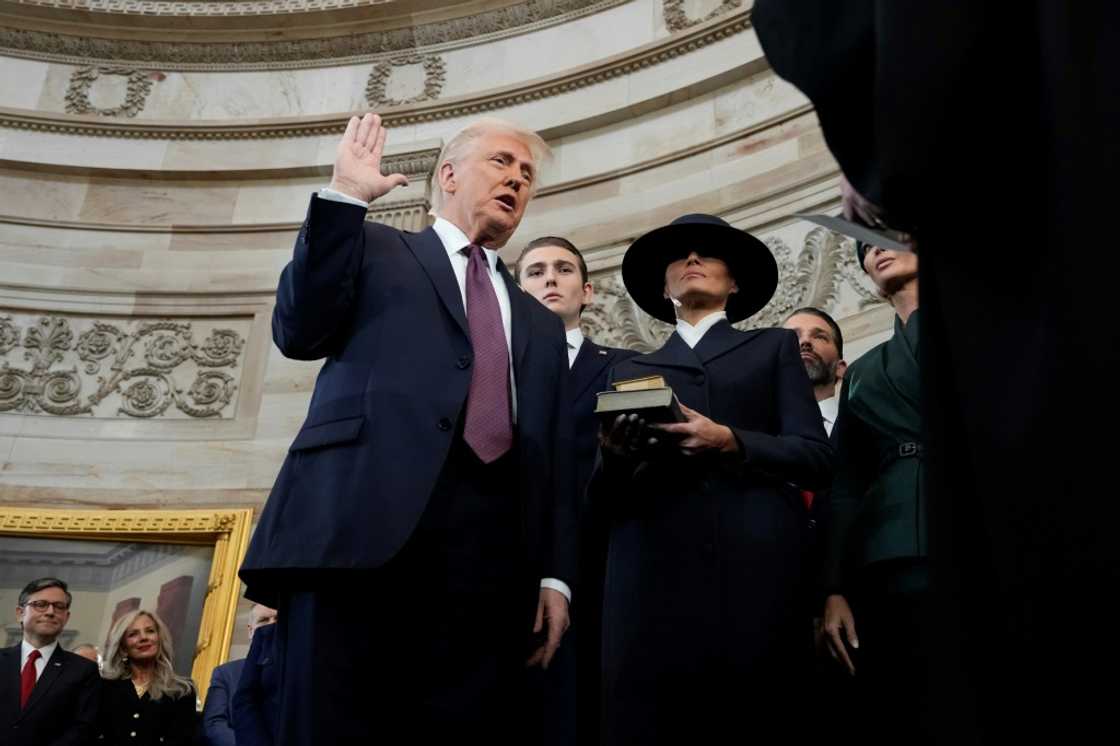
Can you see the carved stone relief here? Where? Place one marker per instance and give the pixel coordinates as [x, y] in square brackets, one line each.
[672, 49]
[292, 53]
[434, 69]
[677, 18]
[77, 96]
[130, 368]
[814, 277]
[197, 8]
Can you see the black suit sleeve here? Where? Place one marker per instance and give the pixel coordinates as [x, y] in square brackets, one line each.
[607, 492]
[856, 462]
[215, 714]
[316, 295]
[800, 453]
[566, 499]
[83, 732]
[250, 699]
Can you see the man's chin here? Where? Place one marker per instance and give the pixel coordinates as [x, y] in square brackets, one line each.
[501, 227]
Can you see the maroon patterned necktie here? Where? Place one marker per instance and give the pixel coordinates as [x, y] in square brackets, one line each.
[27, 678]
[487, 430]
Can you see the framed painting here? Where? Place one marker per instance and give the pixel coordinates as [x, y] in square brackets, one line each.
[180, 564]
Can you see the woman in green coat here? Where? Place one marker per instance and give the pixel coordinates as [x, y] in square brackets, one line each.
[876, 566]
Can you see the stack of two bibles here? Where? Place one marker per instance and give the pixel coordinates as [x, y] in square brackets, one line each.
[650, 398]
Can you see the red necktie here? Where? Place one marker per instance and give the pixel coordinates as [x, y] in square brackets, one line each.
[487, 429]
[27, 678]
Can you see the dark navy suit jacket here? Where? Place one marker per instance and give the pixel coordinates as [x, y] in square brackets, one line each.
[217, 714]
[256, 700]
[62, 710]
[588, 376]
[383, 307]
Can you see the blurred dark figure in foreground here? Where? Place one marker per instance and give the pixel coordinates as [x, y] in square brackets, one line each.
[984, 132]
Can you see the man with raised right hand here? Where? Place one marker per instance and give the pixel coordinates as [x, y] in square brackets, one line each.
[424, 511]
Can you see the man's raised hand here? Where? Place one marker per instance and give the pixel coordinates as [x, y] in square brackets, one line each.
[357, 161]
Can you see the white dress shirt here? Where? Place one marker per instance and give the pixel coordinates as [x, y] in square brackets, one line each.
[693, 334]
[45, 654]
[454, 241]
[829, 408]
[575, 341]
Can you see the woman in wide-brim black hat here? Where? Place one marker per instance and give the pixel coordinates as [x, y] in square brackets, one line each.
[703, 611]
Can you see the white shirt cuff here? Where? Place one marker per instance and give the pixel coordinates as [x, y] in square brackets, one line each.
[336, 196]
[558, 585]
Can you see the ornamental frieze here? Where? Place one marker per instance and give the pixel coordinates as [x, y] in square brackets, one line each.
[65, 366]
[677, 17]
[288, 53]
[138, 84]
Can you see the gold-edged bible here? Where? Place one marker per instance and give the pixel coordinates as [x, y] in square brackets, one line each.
[640, 384]
[647, 397]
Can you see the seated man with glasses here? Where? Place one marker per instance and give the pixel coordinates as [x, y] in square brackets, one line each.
[48, 696]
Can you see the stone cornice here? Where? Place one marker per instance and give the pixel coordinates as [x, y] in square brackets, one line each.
[169, 50]
[280, 227]
[412, 163]
[195, 8]
[509, 96]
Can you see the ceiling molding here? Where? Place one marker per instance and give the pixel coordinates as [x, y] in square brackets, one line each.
[280, 227]
[612, 67]
[174, 46]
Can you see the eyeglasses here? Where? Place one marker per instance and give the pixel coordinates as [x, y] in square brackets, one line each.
[44, 605]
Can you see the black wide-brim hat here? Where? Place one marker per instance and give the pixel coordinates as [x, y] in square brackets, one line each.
[747, 258]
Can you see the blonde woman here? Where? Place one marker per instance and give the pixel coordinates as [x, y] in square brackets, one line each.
[143, 700]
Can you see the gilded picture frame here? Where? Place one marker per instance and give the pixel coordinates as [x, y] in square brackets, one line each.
[226, 531]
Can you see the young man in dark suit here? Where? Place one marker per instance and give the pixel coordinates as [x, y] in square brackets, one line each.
[48, 696]
[217, 715]
[430, 476]
[553, 271]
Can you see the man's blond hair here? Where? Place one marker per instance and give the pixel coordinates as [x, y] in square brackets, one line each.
[460, 144]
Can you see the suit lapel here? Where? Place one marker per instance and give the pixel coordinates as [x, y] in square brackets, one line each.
[429, 251]
[721, 339]
[520, 316]
[673, 354]
[50, 674]
[590, 362]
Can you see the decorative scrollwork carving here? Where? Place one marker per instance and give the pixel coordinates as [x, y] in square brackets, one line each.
[12, 388]
[46, 342]
[168, 349]
[211, 391]
[221, 348]
[434, 70]
[96, 344]
[9, 334]
[139, 85]
[165, 351]
[150, 394]
[676, 17]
